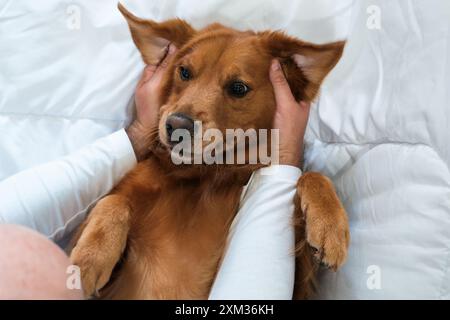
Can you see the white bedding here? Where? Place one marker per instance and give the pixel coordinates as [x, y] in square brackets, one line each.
[380, 130]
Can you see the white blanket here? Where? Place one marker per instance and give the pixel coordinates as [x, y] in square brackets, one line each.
[380, 129]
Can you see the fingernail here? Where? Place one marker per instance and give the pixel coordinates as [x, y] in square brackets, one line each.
[276, 65]
[172, 48]
[149, 69]
[305, 105]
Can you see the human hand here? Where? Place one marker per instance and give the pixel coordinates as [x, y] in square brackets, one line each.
[147, 105]
[290, 119]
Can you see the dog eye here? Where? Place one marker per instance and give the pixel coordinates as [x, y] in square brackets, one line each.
[238, 89]
[185, 74]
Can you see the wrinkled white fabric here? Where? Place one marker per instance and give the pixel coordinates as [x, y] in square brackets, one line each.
[381, 131]
[380, 128]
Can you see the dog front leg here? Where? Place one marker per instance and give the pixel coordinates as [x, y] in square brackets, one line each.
[322, 230]
[101, 242]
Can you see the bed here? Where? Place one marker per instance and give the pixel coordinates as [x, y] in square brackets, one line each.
[380, 128]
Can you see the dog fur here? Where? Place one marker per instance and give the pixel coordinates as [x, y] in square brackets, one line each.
[161, 232]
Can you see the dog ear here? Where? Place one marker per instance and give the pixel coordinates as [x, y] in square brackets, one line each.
[305, 64]
[152, 38]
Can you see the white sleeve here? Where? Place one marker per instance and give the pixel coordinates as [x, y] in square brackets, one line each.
[53, 198]
[259, 261]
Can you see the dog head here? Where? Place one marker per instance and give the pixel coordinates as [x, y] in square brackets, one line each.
[220, 76]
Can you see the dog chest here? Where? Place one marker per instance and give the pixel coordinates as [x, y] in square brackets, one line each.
[174, 249]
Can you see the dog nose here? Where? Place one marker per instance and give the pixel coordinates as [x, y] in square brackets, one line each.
[179, 121]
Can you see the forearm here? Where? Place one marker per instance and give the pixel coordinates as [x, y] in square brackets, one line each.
[259, 262]
[53, 198]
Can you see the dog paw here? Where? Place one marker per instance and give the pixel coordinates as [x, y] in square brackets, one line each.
[95, 270]
[329, 241]
[325, 219]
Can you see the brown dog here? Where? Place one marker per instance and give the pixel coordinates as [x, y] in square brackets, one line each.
[160, 234]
